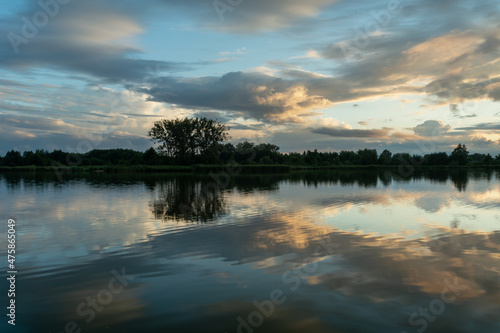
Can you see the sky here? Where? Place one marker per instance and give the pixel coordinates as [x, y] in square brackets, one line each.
[404, 75]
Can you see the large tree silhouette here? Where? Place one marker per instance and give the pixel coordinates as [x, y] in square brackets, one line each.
[189, 138]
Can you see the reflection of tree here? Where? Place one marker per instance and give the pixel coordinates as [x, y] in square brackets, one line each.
[364, 178]
[459, 178]
[188, 200]
[13, 180]
[256, 182]
[437, 175]
[481, 174]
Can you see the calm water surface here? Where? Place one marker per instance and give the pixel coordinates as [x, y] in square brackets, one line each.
[312, 252]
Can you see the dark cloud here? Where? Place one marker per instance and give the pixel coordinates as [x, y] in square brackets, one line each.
[351, 133]
[214, 115]
[482, 127]
[458, 109]
[494, 94]
[81, 38]
[249, 95]
[141, 115]
[490, 45]
[453, 87]
[31, 123]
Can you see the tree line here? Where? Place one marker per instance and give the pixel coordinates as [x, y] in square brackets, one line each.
[243, 153]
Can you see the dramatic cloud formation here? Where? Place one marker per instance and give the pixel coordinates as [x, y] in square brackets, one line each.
[250, 95]
[269, 68]
[88, 38]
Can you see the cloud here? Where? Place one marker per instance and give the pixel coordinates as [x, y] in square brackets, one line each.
[40, 117]
[93, 38]
[242, 94]
[432, 128]
[248, 17]
[452, 56]
[35, 124]
[214, 115]
[243, 50]
[30, 133]
[482, 127]
[24, 141]
[494, 94]
[351, 133]
[98, 39]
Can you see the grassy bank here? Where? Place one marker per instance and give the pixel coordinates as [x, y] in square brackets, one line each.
[102, 169]
[230, 168]
[235, 169]
[376, 167]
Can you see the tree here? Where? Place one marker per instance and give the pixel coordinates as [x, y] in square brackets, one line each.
[189, 138]
[227, 152]
[436, 159]
[347, 157]
[488, 160]
[367, 156]
[13, 158]
[459, 155]
[267, 153]
[150, 156]
[401, 159]
[385, 157]
[245, 152]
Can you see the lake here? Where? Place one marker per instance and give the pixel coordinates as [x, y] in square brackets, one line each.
[318, 251]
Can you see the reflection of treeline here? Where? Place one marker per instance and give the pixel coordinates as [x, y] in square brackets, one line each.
[201, 199]
[371, 178]
[245, 153]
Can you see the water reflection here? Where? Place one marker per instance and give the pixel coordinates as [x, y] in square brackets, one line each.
[187, 199]
[460, 179]
[392, 245]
